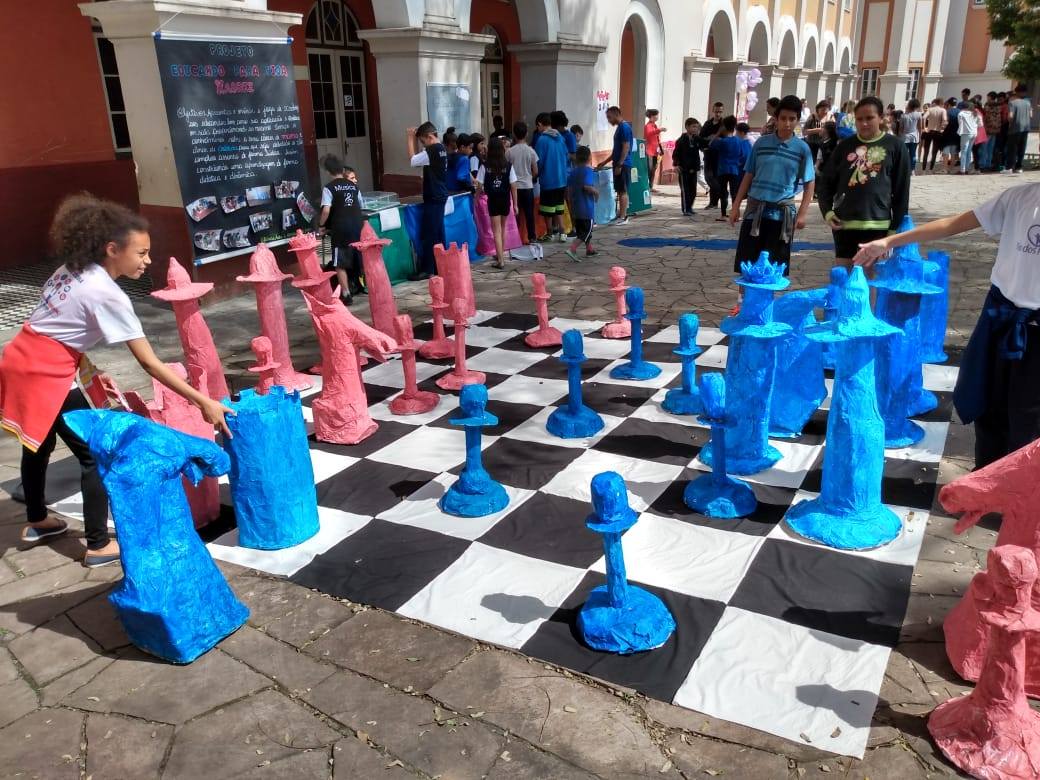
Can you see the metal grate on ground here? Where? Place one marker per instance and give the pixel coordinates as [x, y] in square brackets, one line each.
[20, 291]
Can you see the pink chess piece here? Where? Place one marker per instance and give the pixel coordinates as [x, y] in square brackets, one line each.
[992, 732]
[267, 278]
[196, 339]
[460, 375]
[380, 294]
[546, 335]
[454, 268]
[1010, 486]
[265, 364]
[620, 328]
[440, 346]
[170, 409]
[412, 400]
[341, 409]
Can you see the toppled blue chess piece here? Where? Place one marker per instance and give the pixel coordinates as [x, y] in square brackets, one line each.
[751, 369]
[935, 309]
[474, 493]
[173, 601]
[635, 367]
[575, 420]
[272, 479]
[848, 514]
[839, 275]
[717, 494]
[686, 399]
[900, 284]
[619, 617]
[799, 388]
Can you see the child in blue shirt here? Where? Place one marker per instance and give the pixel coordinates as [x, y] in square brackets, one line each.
[730, 156]
[581, 199]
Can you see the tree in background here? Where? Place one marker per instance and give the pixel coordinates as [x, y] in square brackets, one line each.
[1017, 23]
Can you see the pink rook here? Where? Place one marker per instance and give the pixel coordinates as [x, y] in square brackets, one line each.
[412, 400]
[453, 266]
[546, 335]
[380, 294]
[265, 364]
[440, 346]
[196, 339]
[460, 375]
[267, 278]
[620, 328]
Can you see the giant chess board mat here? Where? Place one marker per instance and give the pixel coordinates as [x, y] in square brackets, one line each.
[774, 632]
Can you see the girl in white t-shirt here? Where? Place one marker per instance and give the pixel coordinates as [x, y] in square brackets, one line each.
[1000, 368]
[81, 307]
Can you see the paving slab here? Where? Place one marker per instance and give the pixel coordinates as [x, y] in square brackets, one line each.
[268, 598]
[353, 759]
[242, 736]
[45, 582]
[8, 671]
[120, 747]
[43, 745]
[55, 692]
[283, 663]
[53, 649]
[414, 729]
[310, 764]
[97, 619]
[520, 761]
[28, 560]
[23, 616]
[312, 617]
[392, 649]
[699, 756]
[16, 699]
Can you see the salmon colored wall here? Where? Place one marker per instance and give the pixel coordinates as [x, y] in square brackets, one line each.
[845, 25]
[975, 48]
[812, 10]
[789, 8]
[502, 17]
[627, 74]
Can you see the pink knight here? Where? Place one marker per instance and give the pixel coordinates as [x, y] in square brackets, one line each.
[380, 294]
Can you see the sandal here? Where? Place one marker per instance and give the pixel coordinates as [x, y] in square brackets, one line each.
[92, 561]
[34, 535]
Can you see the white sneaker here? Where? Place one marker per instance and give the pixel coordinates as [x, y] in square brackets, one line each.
[620, 221]
[561, 238]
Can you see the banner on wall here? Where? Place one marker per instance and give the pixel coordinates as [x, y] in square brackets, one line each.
[237, 142]
[602, 104]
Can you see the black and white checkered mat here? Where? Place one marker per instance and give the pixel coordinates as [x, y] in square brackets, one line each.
[773, 632]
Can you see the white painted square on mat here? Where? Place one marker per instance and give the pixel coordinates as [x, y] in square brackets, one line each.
[706, 337]
[533, 429]
[428, 449]
[503, 361]
[645, 480]
[668, 372]
[520, 389]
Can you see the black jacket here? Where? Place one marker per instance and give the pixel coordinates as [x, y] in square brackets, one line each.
[686, 155]
[866, 184]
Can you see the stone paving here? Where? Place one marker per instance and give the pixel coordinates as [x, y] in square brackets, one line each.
[316, 687]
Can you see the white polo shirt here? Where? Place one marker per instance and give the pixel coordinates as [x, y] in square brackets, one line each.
[1014, 215]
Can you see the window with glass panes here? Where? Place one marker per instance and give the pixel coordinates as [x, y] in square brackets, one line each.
[323, 95]
[913, 84]
[113, 92]
[353, 96]
[868, 82]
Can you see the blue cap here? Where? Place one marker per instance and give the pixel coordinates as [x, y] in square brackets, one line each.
[610, 510]
[634, 303]
[472, 402]
[689, 324]
[573, 347]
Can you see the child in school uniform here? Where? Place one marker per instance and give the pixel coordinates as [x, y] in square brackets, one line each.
[498, 180]
[730, 155]
[342, 219]
[433, 159]
[581, 199]
[1000, 370]
[524, 160]
[459, 177]
[687, 159]
[81, 307]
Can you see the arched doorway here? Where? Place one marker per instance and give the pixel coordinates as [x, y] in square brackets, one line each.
[788, 59]
[335, 63]
[492, 81]
[810, 69]
[632, 71]
[720, 44]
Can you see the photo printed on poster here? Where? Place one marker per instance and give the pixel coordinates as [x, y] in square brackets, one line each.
[237, 141]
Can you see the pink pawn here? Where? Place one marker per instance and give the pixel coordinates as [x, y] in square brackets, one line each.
[412, 400]
[380, 294]
[440, 346]
[992, 732]
[265, 364]
[267, 278]
[620, 328]
[453, 266]
[170, 409]
[196, 339]
[341, 410]
[460, 375]
[546, 335]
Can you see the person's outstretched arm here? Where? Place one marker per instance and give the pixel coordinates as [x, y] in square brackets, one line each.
[873, 251]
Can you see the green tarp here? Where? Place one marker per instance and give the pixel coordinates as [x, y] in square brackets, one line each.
[639, 186]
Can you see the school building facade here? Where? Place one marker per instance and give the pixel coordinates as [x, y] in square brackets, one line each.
[87, 110]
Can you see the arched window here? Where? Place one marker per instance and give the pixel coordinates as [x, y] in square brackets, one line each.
[493, 51]
[330, 24]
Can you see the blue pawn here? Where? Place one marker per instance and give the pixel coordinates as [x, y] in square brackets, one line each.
[687, 399]
[173, 601]
[475, 493]
[751, 369]
[839, 275]
[575, 420]
[619, 617]
[717, 494]
[848, 514]
[935, 309]
[900, 284]
[799, 388]
[636, 367]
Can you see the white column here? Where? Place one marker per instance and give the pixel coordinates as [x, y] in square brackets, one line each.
[773, 78]
[559, 75]
[812, 87]
[697, 79]
[723, 84]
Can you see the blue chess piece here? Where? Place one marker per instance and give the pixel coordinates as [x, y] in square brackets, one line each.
[173, 601]
[272, 479]
[751, 369]
[839, 275]
[799, 388]
[900, 284]
[686, 399]
[474, 493]
[935, 309]
[575, 420]
[848, 514]
[619, 617]
[635, 367]
[717, 494]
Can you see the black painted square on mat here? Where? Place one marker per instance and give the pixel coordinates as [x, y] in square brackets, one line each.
[378, 393]
[554, 368]
[660, 352]
[511, 321]
[517, 344]
[616, 400]
[224, 522]
[909, 483]
[773, 503]
[656, 673]
[383, 564]
[943, 412]
[509, 416]
[388, 431]
[657, 441]
[369, 487]
[448, 362]
[525, 464]
[490, 380]
[550, 528]
[828, 590]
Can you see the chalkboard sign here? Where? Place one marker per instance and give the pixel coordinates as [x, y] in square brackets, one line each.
[237, 142]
